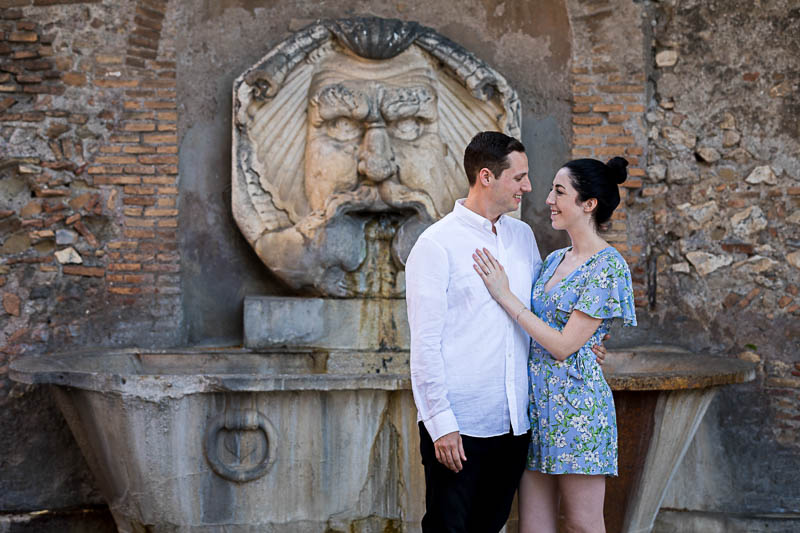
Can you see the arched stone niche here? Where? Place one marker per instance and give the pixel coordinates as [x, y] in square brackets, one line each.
[348, 139]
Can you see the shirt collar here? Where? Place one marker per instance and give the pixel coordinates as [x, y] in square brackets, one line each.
[473, 218]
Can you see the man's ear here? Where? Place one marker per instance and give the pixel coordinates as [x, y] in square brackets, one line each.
[485, 176]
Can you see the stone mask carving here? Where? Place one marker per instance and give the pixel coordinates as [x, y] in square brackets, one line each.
[347, 140]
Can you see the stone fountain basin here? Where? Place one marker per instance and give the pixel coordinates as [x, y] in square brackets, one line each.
[176, 372]
[661, 394]
[659, 367]
[209, 440]
[309, 439]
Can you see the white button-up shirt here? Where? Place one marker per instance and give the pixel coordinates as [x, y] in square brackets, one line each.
[468, 356]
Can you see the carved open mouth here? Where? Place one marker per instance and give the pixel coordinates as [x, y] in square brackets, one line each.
[395, 200]
[388, 233]
[387, 219]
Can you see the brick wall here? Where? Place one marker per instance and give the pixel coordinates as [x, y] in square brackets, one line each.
[606, 112]
[89, 165]
[139, 161]
[609, 99]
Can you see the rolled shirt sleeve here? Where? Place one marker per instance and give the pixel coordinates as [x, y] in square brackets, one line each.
[427, 278]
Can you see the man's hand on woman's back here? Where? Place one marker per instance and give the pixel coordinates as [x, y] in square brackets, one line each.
[600, 350]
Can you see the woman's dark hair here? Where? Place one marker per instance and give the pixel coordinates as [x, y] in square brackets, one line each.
[489, 149]
[595, 179]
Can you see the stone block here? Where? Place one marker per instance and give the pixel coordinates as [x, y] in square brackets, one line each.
[708, 154]
[762, 174]
[68, 256]
[679, 137]
[794, 259]
[756, 264]
[11, 304]
[15, 244]
[354, 324]
[682, 267]
[706, 263]
[656, 172]
[748, 221]
[730, 138]
[679, 171]
[701, 214]
[666, 58]
[728, 121]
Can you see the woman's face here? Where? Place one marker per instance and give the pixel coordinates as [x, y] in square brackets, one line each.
[565, 209]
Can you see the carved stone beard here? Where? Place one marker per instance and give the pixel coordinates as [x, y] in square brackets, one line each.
[351, 248]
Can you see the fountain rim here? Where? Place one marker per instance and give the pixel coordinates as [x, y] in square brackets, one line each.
[58, 368]
[51, 369]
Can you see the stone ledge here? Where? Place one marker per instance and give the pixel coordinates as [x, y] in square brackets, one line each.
[343, 324]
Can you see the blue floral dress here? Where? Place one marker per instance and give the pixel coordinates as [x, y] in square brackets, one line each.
[573, 422]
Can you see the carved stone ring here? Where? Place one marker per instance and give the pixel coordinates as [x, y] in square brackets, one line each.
[238, 421]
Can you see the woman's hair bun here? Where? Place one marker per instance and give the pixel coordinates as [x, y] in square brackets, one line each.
[617, 167]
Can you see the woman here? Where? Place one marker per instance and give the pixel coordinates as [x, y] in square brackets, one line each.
[578, 293]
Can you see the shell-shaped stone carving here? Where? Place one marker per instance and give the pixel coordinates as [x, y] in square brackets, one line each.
[347, 143]
[375, 38]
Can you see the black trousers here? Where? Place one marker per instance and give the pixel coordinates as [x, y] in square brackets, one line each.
[477, 499]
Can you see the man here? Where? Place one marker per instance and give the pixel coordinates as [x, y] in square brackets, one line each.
[468, 357]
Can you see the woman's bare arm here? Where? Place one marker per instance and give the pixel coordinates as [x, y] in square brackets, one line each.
[561, 344]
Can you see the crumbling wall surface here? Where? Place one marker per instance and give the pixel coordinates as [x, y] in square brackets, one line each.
[88, 215]
[719, 218]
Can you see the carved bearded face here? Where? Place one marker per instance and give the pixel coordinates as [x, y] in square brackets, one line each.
[342, 161]
[373, 134]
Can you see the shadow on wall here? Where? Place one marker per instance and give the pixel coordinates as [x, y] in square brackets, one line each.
[547, 150]
[219, 267]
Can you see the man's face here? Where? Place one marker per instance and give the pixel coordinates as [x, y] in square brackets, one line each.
[507, 189]
[376, 134]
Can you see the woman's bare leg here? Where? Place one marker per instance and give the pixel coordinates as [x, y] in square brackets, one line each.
[582, 502]
[538, 503]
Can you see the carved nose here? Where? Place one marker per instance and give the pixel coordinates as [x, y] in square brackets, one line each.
[376, 160]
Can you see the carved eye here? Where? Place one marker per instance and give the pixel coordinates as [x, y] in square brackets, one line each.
[407, 129]
[344, 129]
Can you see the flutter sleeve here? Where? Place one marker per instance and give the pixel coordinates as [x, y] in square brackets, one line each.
[608, 290]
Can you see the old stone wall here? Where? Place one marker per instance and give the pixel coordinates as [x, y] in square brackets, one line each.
[88, 213]
[717, 218]
[705, 99]
[115, 222]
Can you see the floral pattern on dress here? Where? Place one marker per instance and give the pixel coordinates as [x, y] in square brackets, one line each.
[573, 421]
